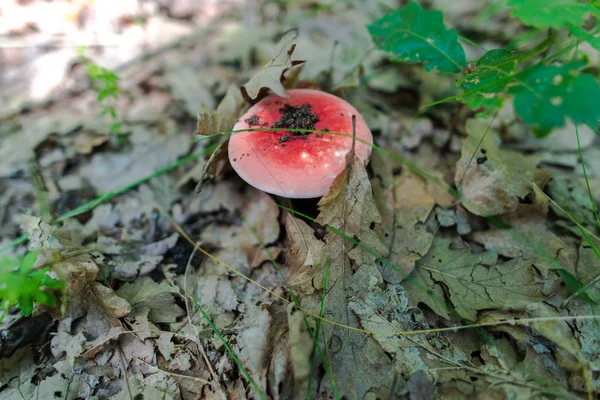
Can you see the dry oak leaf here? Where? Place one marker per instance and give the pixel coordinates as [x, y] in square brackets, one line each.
[404, 204]
[214, 122]
[474, 281]
[305, 252]
[492, 180]
[223, 118]
[529, 237]
[356, 358]
[270, 75]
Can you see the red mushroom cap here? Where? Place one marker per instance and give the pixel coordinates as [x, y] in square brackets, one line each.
[293, 164]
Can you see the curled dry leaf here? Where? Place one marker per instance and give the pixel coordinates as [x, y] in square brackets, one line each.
[271, 75]
[214, 122]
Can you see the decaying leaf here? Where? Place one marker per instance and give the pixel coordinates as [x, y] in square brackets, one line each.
[587, 271]
[229, 109]
[301, 344]
[356, 359]
[150, 298]
[118, 306]
[39, 233]
[214, 122]
[476, 281]
[18, 373]
[404, 205]
[215, 163]
[271, 76]
[258, 226]
[492, 180]
[152, 149]
[253, 343]
[185, 86]
[305, 252]
[574, 199]
[530, 238]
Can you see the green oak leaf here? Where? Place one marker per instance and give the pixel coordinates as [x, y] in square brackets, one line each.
[556, 14]
[413, 34]
[546, 95]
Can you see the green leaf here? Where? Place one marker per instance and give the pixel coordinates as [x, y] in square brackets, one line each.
[486, 80]
[492, 66]
[546, 95]
[593, 40]
[23, 286]
[416, 35]
[551, 13]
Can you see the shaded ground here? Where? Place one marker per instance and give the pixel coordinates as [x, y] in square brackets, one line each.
[138, 296]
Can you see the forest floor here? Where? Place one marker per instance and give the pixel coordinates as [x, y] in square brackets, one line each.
[468, 265]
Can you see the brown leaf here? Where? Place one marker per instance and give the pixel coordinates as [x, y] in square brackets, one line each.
[213, 122]
[271, 76]
[529, 238]
[492, 180]
[305, 252]
[404, 204]
[214, 165]
[356, 359]
[118, 306]
[223, 118]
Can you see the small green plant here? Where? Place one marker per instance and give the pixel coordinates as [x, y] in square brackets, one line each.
[106, 83]
[21, 285]
[547, 82]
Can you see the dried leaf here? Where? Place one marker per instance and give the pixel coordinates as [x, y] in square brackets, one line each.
[300, 342]
[404, 204]
[356, 359]
[305, 252]
[223, 118]
[492, 180]
[529, 238]
[145, 295]
[185, 86]
[118, 306]
[151, 150]
[475, 282]
[271, 76]
[587, 271]
[253, 343]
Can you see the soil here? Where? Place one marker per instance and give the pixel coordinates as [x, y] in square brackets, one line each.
[296, 117]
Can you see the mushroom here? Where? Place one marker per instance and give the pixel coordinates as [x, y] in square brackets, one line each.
[297, 164]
